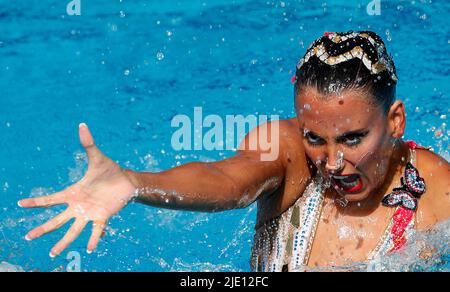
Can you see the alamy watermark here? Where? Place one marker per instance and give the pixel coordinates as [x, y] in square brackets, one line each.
[74, 264]
[374, 7]
[212, 132]
[74, 8]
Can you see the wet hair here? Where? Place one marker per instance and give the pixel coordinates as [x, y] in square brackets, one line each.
[349, 61]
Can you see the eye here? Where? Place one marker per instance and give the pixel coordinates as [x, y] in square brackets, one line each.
[313, 139]
[353, 139]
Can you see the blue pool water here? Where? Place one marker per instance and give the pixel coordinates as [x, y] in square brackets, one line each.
[127, 67]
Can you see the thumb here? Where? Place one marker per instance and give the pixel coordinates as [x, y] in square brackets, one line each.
[88, 142]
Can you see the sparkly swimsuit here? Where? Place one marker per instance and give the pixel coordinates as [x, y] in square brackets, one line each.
[284, 243]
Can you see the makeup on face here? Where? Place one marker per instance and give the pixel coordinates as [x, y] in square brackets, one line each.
[345, 184]
[350, 183]
[344, 140]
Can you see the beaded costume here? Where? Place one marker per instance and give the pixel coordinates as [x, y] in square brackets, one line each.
[284, 243]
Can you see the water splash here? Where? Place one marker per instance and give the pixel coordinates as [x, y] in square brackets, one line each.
[427, 251]
[7, 267]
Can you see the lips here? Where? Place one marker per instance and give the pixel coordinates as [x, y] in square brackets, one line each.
[351, 183]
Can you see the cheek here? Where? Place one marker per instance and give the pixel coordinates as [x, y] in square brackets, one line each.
[372, 150]
[363, 157]
[314, 153]
[374, 165]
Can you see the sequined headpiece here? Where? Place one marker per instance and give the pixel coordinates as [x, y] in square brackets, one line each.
[335, 48]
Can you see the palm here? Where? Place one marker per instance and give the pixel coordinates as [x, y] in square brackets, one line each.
[102, 192]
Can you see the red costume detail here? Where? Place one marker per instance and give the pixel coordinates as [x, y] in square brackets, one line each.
[294, 79]
[402, 217]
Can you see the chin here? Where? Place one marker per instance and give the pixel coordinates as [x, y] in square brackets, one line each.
[356, 197]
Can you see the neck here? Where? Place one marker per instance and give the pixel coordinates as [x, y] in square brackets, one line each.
[397, 163]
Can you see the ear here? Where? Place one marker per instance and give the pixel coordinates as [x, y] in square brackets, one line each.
[397, 119]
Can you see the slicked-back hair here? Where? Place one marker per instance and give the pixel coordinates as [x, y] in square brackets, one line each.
[344, 61]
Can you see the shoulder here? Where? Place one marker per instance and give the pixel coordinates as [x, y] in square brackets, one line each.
[281, 135]
[287, 129]
[434, 205]
[284, 135]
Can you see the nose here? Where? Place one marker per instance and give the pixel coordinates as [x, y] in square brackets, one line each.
[335, 161]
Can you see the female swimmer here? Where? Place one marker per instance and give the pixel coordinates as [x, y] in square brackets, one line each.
[345, 187]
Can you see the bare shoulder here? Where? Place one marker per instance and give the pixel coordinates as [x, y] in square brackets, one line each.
[282, 134]
[434, 205]
[293, 157]
[290, 137]
[291, 141]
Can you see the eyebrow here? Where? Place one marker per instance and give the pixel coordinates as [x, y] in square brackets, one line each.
[361, 132]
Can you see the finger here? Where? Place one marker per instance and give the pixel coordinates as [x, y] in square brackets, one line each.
[70, 236]
[45, 201]
[87, 140]
[97, 233]
[49, 226]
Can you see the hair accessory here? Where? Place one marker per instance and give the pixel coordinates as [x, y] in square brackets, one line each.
[324, 51]
[294, 79]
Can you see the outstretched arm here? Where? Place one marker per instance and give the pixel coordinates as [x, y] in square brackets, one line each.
[106, 189]
[228, 184]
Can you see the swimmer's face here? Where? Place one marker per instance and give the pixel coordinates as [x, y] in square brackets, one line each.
[349, 138]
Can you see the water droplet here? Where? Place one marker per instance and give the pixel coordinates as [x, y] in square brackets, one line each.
[160, 56]
[388, 35]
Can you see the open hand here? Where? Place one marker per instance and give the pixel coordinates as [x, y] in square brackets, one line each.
[101, 193]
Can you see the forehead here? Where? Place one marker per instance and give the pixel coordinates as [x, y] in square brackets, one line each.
[347, 111]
